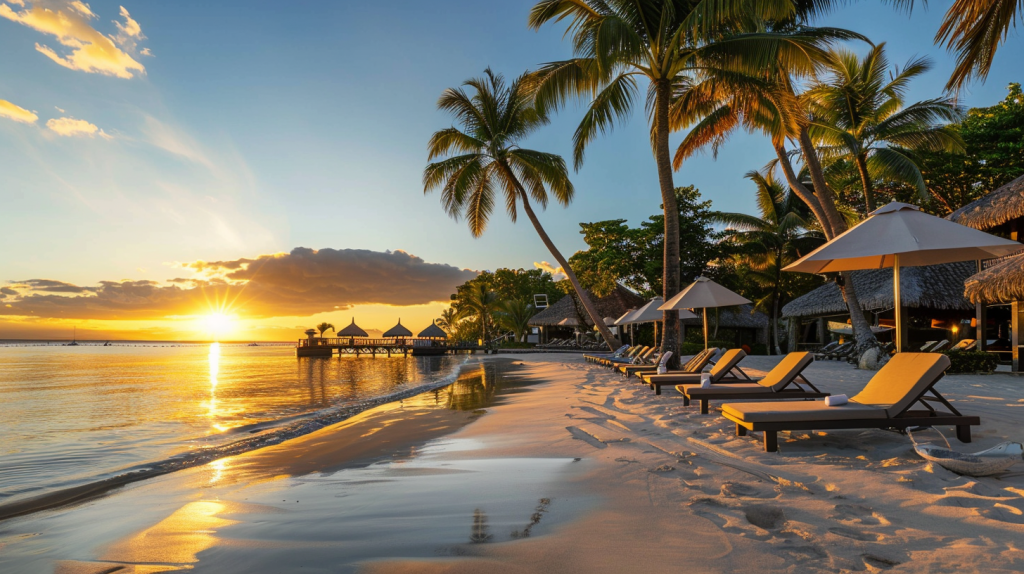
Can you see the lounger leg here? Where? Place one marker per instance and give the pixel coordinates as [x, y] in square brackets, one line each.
[657, 389]
[963, 433]
[771, 441]
[741, 430]
[703, 406]
[686, 401]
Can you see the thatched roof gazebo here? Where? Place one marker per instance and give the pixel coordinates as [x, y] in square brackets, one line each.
[433, 332]
[929, 287]
[995, 209]
[397, 331]
[352, 330]
[613, 305]
[1002, 282]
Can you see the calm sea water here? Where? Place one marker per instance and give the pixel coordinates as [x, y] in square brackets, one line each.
[70, 415]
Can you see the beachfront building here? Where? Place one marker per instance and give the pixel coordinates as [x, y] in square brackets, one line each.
[741, 326]
[997, 289]
[560, 320]
[934, 307]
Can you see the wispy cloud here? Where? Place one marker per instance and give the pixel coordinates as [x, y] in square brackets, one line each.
[303, 282]
[70, 127]
[16, 113]
[84, 48]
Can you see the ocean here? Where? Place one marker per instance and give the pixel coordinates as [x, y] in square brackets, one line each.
[75, 415]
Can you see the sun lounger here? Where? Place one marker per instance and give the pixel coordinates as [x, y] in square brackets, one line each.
[887, 401]
[927, 346]
[628, 357]
[696, 364]
[782, 382]
[658, 360]
[938, 348]
[963, 345]
[820, 353]
[972, 346]
[725, 370]
[837, 350]
[617, 353]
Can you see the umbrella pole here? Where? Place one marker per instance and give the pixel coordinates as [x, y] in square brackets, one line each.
[705, 313]
[896, 301]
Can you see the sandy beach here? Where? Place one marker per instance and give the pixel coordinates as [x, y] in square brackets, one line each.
[566, 468]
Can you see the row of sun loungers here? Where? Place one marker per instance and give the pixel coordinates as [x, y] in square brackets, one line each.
[899, 396]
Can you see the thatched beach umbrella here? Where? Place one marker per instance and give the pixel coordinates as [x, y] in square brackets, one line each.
[900, 234]
[352, 330]
[398, 331]
[704, 294]
[433, 332]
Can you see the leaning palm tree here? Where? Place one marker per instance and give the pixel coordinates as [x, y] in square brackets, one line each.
[323, 327]
[781, 234]
[449, 320]
[770, 104]
[620, 43]
[858, 114]
[483, 157]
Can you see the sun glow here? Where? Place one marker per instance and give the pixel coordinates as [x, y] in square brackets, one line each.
[218, 324]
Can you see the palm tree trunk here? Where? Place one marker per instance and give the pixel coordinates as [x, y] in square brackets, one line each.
[801, 191]
[861, 329]
[865, 180]
[671, 284]
[606, 333]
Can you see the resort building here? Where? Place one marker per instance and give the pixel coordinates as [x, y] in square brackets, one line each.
[997, 289]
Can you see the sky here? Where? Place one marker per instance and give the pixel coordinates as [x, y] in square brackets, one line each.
[188, 170]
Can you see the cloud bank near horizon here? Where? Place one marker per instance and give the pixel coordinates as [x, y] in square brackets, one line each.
[300, 283]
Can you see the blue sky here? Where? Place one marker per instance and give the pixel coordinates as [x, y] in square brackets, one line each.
[262, 127]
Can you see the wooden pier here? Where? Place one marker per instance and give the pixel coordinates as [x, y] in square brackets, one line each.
[359, 346]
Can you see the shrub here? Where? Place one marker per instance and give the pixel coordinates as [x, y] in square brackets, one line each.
[970, 362]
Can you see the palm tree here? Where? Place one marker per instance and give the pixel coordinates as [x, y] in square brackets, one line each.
[514, 315]
[858, 114]
[974, 29]
[769, 242]
[479, 301]
[668, 43]
[484, 153]
[449, 320]
[770, 104]
[322, 327]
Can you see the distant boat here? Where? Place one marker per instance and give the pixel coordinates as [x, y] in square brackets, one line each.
[74, 339]
[253, 345]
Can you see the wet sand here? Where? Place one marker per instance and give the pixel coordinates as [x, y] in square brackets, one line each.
[580, 471]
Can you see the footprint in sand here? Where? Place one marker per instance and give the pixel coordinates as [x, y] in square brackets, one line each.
[861, 535]
[879, 562]
[765, 516]
[800, 553]
[741, 490]
[586, 437]
[859, 514]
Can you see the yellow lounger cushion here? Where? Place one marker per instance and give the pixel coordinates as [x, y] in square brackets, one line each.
[786, 411]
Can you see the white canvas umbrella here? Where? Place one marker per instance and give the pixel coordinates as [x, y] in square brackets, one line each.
[900, 234]
[704, 294]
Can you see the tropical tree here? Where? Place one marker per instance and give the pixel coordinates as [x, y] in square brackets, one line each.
[766, 244]
[668, 43]
[322, 327]
[449, 320]
[973, 29]
[859, 114]
[480, 303]
[514, 315]
[484, 154]
[769, 103]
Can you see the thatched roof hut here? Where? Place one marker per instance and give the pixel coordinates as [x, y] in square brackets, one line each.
[1002, 282]
[613, 305]
[397, 331]
[433, 332]
[352, 330]
[1001, 206]
[930, 287]
[739, 317]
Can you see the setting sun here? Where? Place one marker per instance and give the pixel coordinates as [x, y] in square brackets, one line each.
[218, 324]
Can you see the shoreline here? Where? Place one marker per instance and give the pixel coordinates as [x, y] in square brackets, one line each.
[599, 473]
[304, 424]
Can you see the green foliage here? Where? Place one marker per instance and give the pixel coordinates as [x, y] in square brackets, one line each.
[633, 256]
[513, 284]
[994, 143]
[971, 362]
[322, 327]
[503, 297]
[514, 315]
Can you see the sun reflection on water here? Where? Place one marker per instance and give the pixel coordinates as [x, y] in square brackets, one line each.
[214, 360]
